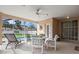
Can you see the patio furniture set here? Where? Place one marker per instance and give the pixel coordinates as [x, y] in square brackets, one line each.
[37, 41]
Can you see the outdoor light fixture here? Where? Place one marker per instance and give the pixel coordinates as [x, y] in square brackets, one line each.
[67, 17]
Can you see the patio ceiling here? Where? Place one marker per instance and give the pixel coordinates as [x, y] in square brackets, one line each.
[29, 11]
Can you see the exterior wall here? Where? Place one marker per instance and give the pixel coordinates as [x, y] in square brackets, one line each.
[0, 29]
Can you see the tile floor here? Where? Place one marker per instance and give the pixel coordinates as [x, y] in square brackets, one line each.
[24, 48]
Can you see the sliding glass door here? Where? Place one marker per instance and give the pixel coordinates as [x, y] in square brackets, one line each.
[70, 30]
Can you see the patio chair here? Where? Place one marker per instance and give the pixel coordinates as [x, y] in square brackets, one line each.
[37, 42]
[12, 39]
[51, 42]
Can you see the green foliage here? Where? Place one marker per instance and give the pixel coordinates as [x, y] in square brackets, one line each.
[18, 23]
[7, 25]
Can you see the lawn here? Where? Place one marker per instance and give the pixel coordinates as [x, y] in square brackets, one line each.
[23, 35]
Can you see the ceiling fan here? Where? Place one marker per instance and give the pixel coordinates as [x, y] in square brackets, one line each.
[40, 12]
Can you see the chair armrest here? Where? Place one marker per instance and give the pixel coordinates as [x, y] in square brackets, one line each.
[50, 39]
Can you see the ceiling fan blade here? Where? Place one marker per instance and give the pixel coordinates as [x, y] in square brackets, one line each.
[39, 12]
[43, 14]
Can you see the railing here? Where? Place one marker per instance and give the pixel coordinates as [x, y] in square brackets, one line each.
[24, 35]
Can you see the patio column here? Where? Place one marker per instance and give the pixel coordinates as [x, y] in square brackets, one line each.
[0, 28]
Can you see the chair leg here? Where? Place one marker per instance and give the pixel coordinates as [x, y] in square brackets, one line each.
[16, 45]
[32, 49]
[55, 48]
[7, 45]
[42, 50]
